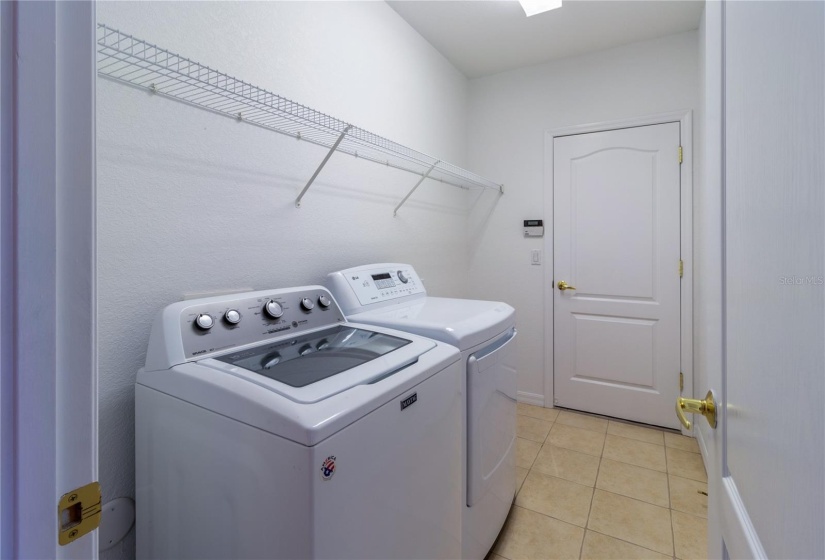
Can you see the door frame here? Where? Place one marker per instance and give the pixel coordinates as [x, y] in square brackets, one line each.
[685, 120]
[48, 386]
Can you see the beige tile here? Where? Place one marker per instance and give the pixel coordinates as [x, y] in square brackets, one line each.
[539, 412]
[632, 431]
[521, 474]
[529, 535]
[601, 547]
[634, 482]
[494, 556]
[533, 428]
[686, 464]
[555, 497]
[526, 452]
[686, 495]
[583, 421]
[567, 464]
[631, 520]
[577, 439]
[684, 443]
[639, 453]
[690, 535]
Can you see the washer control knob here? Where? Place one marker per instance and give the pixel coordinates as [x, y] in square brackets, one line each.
[204, 321]
[403, 277]
[273, 309]
[233, 317]
[307, 304]
[324, 301]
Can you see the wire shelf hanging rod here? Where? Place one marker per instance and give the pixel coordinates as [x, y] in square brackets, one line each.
[320, 167]
[421, 180]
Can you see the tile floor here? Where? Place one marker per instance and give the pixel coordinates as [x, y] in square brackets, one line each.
[589, 487]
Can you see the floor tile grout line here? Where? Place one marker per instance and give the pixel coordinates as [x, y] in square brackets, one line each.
[638, 466]
[672, 532]
[590, 509]
[637, 440]
[628, 542]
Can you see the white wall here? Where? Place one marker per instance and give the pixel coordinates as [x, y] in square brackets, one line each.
[508, 116]
[190, 202]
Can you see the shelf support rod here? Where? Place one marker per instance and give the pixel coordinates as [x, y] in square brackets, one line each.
[421, 180]
[320, 167]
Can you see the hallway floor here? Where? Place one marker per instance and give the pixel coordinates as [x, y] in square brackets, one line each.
[589, 487]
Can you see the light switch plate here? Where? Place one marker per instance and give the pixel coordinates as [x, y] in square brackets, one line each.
[535, 257]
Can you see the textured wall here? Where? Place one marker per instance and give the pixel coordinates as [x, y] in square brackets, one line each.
[191, 202]
[507, 119]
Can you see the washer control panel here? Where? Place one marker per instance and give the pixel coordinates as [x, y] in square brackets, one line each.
[219, 323]
[380, 283]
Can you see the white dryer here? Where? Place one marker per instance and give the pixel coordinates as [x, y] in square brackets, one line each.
[392, 295]
[267, 426]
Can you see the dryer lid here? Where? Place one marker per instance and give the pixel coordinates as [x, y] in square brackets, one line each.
[464, 323]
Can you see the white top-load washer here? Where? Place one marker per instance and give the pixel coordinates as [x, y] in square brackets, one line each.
[267, 426]
[392, 295]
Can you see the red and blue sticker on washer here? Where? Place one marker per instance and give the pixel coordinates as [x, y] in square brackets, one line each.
[328, 467]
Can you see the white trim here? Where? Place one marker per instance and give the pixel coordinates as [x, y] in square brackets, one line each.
[741, 539]
[54, 265]
[685, 120]
[7, 495]
[530, 398]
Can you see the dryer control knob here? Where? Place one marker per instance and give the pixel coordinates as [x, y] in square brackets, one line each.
[233, 317]
[273, 309]
[307, 304]
[403, 277]
[324, 301]
[204, 321]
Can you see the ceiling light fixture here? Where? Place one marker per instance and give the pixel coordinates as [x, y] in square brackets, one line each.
[533, 7]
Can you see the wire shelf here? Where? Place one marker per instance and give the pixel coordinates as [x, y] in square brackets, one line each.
[124, 58]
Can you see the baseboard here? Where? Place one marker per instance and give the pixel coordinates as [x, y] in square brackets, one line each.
[530, 398]
[703, 447]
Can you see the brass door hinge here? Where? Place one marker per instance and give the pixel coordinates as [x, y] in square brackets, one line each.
[681, 268]
[681, 381]
[680, 154]
[78, 513]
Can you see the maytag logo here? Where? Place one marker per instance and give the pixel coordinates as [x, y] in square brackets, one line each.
[409, 401]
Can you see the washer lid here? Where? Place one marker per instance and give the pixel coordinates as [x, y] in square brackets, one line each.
[461, 322]
[313, 357]
[320, 364]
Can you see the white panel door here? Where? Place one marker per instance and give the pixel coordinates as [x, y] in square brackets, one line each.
[616, 238]
[766, 458]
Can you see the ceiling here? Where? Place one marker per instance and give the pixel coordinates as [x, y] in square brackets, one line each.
[483, 37]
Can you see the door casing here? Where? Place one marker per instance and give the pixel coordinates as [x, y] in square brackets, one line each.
[685, 119]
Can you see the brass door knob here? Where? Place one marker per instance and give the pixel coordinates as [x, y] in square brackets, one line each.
[706, 408]
[565, 286]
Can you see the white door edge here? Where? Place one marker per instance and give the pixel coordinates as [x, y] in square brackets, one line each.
[685, 119]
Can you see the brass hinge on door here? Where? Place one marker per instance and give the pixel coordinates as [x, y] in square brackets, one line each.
[681, 268]
[681, 381]
[680, 154]
[78, 513]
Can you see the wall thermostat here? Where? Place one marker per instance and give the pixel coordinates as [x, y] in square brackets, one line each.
[533, 228]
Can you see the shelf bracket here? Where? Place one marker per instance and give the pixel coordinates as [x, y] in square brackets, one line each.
[320, 167]
[421, 180]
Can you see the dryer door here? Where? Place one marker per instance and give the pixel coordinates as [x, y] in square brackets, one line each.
[491, 421]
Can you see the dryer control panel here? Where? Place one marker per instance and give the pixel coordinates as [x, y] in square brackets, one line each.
[375, 283]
